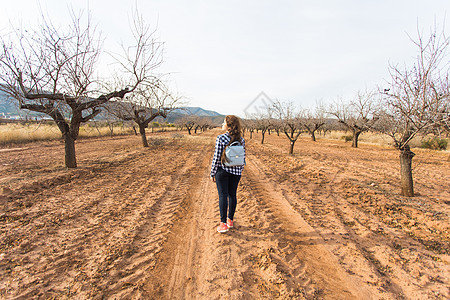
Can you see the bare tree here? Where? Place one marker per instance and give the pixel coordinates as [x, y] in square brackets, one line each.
[290, 119]
[276, 125]
[144, 105]
[197, 124]
[262, 120]
[359, 115]
[188, 121]
[204, 123]
[53, 71]
[263, 124]
[418, 99]
[249, 125]
[313, 120]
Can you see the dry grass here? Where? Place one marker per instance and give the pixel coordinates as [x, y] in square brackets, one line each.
[366, 137]
[23, 133]
[19, 133]
[370, 138]
[91, 130]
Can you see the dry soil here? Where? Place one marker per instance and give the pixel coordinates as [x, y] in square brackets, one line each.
[139, 223]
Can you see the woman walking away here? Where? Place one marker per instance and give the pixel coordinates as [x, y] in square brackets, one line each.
[226, 171]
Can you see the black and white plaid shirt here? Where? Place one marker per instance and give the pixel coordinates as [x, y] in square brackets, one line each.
[221, 142]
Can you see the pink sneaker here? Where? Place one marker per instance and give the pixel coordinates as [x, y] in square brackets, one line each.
[230, 223]
[222, 228]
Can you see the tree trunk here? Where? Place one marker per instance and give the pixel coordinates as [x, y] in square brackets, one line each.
[251, 134]
[189, 130]
[143, 135]
[313, 136]
[291, 148]
[111, 130]
[355, 139]
[406, 156]
[69, 147]
[262, 136]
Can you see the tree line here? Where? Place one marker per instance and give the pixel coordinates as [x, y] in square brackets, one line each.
[415, 101]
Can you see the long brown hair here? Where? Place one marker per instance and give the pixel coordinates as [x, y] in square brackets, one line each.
[234, 129]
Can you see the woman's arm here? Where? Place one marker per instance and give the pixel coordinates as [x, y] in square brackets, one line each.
[217, 156]
[245, 151]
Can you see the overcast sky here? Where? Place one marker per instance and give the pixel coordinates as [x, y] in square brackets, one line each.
[223, 54]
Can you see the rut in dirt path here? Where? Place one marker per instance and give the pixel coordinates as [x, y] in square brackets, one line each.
[297, 252]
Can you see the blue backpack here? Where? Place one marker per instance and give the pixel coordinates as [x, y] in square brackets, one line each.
[234, 155]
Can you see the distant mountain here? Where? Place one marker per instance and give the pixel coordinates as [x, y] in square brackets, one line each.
[197, 111]
[178, 113]
[9, 109]
[6, 105]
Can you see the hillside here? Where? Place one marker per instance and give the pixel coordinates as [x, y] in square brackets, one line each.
[195, 111]
[7, 106]
[9, 109]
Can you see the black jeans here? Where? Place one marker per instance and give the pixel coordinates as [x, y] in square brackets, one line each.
[227, 186]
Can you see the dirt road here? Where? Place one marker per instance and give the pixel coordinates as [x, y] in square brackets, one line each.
[272, 252]
[140, 223]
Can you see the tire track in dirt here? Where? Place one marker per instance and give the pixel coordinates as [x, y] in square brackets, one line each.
[361, 234]
[337, 220]
[184, 259]
[150, 235]
[321, 274]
